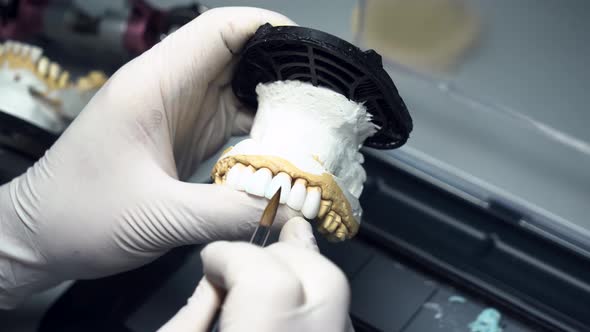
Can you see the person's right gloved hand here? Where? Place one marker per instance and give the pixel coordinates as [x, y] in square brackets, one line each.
[287, 286]
[109, 195]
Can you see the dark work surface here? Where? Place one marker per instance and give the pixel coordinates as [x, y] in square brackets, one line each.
[357, 254]
[169, 298]
[386, 295]
[389, 296]
[12, 164]
[488, 249]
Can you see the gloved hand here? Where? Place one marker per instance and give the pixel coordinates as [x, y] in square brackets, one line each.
[107, 196]
[287, 286]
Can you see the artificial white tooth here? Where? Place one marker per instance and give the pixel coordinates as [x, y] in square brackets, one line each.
[25, 50]
[54, 71]
[311, 206]
[282, 180]
[17, 48]
[43, 66]
[259, 181]
[63, 80]
[36, 53]
[8, 46]
[233, 176]
[247, 173]
[297, 195]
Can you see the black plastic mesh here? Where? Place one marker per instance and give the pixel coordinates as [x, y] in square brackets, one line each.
[297, 53]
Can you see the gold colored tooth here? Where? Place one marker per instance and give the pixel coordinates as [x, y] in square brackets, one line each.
[63, 80]
[54, 71]
[322, 230]
[341, 232]
[217, 179]
[227, 150]
[1, 49]
[43, 66]
[335, 223]
[332, 238]
[97, 77]
[325, 206]
[328, 220]
[83, 84]
[93, 80]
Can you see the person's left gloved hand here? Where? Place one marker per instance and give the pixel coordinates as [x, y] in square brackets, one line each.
[107, 196]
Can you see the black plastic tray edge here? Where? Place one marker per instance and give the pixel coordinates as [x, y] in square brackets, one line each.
[540, 315]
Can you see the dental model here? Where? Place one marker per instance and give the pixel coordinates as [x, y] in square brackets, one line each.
[37, 90]
[319, 99]
[306, 140]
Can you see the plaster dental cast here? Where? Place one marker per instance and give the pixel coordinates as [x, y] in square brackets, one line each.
[306, 140]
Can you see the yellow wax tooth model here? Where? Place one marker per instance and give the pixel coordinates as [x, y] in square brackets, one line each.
[37, 90]
[306, 140]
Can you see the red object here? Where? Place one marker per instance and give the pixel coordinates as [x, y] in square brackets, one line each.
[144, 26]
[25, 21]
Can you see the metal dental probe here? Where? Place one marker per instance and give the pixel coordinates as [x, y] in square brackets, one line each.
[259, 238]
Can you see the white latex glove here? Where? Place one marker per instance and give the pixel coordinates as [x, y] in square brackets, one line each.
[107, 197]
[287, 286]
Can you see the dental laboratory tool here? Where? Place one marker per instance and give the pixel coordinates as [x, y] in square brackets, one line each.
[262, 231]
[259, 238]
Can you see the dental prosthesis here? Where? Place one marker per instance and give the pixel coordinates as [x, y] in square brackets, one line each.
[319, 99]
[306, 140]
[38, 91]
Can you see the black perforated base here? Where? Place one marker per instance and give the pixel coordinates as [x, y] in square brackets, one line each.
[297, 53]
